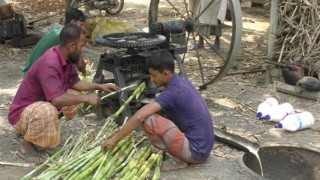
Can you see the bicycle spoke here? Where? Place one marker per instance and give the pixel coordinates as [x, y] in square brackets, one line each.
[200, 14]
[176, 9]
[198, 57]
[208, 42]
[187, 9]
[184, 55]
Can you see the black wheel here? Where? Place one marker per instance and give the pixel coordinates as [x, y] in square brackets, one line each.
[116, 8]
[131, 40]
[207, 65]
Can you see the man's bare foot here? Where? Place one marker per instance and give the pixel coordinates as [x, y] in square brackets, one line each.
[31, 154]
[173, 164]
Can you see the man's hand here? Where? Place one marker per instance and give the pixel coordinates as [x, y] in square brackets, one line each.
[108, 144]
[93, 100]
[109, 87]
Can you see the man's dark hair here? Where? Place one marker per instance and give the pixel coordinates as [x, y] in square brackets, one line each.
[70, 33]
[161, 61]
[74, 14]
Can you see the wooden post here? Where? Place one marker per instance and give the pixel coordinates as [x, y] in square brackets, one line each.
[293, 90]
[273, 27]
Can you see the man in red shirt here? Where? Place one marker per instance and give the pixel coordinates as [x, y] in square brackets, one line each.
[43, 94]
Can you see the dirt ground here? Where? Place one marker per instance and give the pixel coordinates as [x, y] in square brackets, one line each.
[232, 100]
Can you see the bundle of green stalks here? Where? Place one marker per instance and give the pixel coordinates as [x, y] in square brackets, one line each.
[81, 157]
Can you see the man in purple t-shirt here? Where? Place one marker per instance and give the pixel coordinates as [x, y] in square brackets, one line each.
[187, 132]
[43, 94]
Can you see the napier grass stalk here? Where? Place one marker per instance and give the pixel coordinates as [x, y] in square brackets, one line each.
[83, 158]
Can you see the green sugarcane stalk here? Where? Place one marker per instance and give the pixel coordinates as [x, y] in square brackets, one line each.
[109, 124]
[30, 174]
[113, 93]
[70, 174]
[119, 145]
[103, 138]
[135, 159]
[144, 162]
[119, 161]
[81, 164]
[129, 174]
[108, 120]
[152, 160]
[122, 165]
[71, 164]
[141, 140]
[138, 91]
[125, 153]
[112, 162]
[79, 141]
[109, 167]
[56, 155]
[157, 171]
[102, 163]
[134, 165]
[113, 117]
[106, 130]
[85, 169]
[145, 165]
[68, 146]
[90, 168]
[76, 160]
[135, 178]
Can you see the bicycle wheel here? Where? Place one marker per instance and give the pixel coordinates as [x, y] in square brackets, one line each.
[115, 9]
[209, 64]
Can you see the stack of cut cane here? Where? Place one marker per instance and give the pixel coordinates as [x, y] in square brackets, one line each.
[81, 157]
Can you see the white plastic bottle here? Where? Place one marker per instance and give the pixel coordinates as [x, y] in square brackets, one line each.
[277, 113]
[298, 121]
[265, 106]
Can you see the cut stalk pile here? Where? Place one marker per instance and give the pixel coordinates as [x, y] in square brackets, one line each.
[81, 157]
[298, 33]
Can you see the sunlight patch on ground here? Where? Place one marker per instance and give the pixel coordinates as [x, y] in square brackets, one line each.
[4, 125]
[263, 26]
[226, 102]
[10, 92]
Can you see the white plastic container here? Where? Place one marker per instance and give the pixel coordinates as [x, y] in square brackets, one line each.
[277, 113]
[265, 106]
[298, 121]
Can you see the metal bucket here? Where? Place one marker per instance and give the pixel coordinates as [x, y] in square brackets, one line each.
[285, 162]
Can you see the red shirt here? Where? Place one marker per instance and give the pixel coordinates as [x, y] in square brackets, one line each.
[50, 77]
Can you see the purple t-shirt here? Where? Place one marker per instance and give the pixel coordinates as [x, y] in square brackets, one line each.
[185, 106]
[50, 77]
